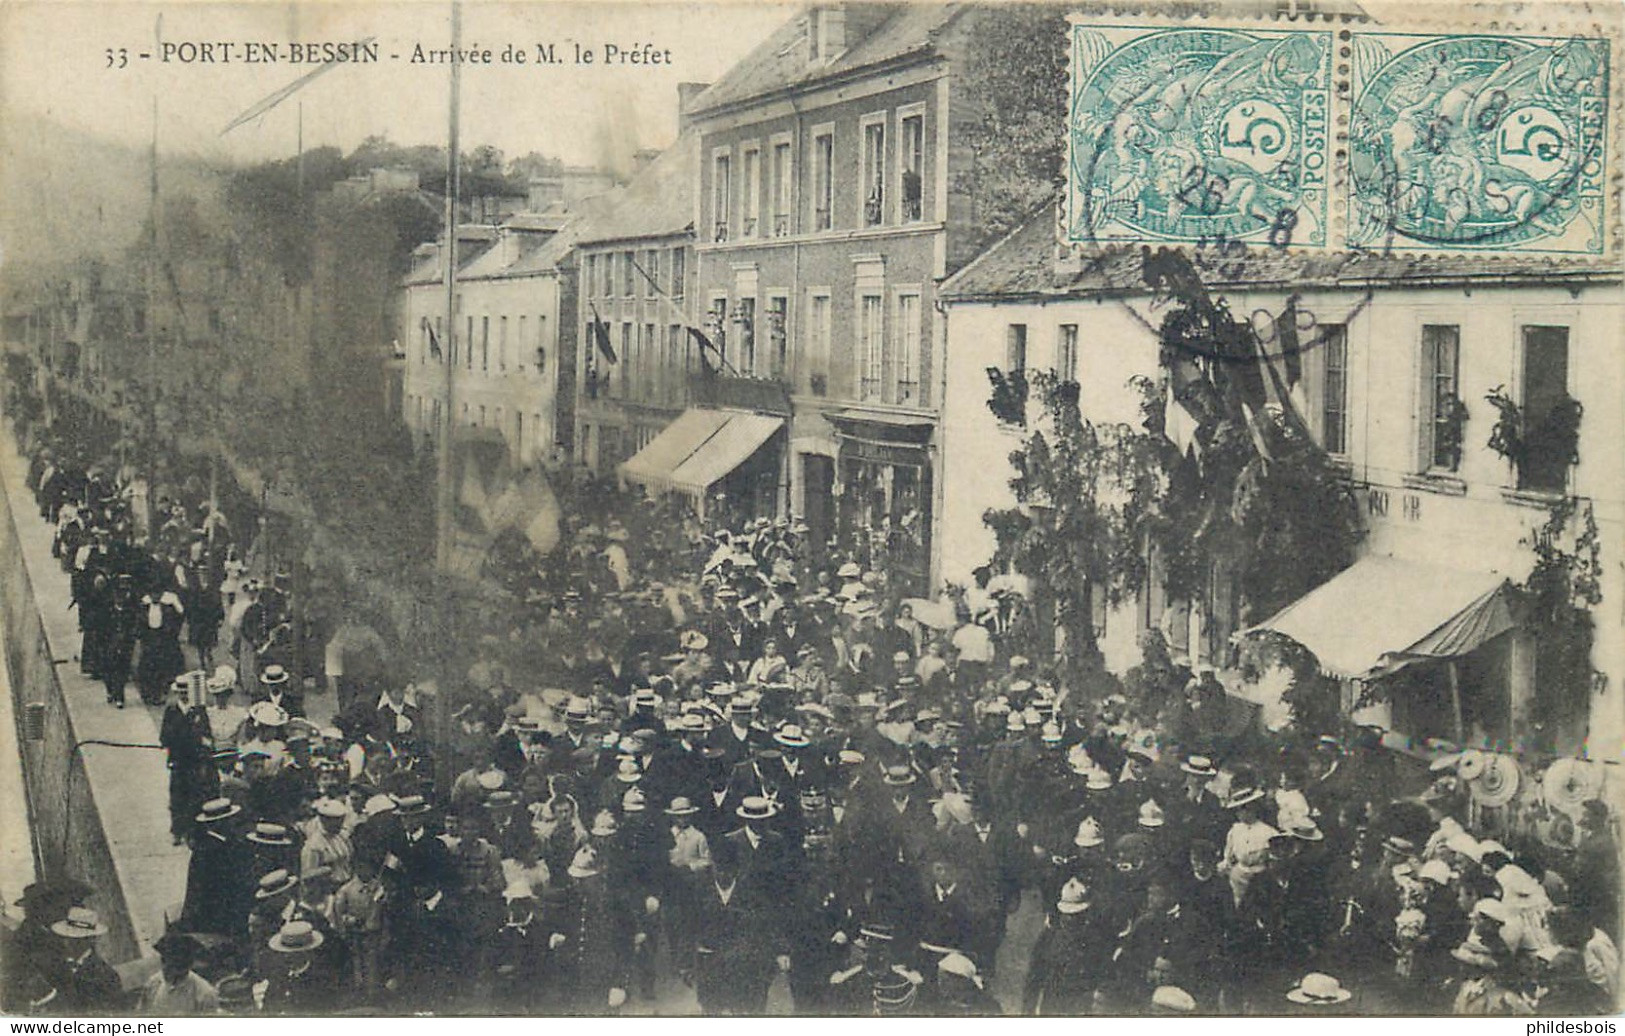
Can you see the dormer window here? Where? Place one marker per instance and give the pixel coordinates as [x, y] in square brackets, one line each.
[826, 34]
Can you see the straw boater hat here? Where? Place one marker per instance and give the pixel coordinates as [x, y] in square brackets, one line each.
[681, 807]
[1097, 780]
[268, 714]
[1151, 814]
[791, 736]
[1318, 988]
[898, 776]
[633, 801]
[81, 923]
[274, 675]
[216, 810]
[603, 824]
[755, 807]
[330, 808]
[296, 937]
[1173, 1000]
[1242, 797]
[270, 834]
[1199, 766]
[275, 884]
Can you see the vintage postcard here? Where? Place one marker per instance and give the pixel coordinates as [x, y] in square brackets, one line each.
[648, 509]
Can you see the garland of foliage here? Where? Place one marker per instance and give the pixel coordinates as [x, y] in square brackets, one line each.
[1555, 601]
[1555, 434]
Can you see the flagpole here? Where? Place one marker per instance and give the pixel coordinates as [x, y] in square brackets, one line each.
[446, 494]
[660, 294]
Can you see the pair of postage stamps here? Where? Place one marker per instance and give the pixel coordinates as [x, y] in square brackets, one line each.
[1350, 135]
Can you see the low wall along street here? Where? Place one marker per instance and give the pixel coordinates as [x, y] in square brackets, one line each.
[69, 840]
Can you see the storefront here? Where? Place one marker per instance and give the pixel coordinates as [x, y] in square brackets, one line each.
[720, 458]
[883, 490]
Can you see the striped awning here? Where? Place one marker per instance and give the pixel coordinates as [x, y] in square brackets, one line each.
[699, 449]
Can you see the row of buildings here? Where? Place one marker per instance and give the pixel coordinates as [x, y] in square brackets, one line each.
[811, 222]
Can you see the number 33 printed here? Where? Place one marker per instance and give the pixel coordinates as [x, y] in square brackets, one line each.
[118, 58]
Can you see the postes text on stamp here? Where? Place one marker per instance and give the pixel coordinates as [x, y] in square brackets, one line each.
[1191, 135]
[1479, 143]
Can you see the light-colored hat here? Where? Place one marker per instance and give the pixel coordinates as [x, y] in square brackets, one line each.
[1494, 909]
[1097, 780]
[633, 801]
[693, 640]
[791, 736]
[218, 809]
[1519, 889]
[273, 675]
[898, 776]
[275, 883]
[518, 890]
[81, 923]
[850, 570]
[1014, 722]
[957, 963]
[1319, 988]
[681, 807]
[270, 834]
[268, 714]
[755, 807]
[378, 804]
[491, 780]
[1466, 845]
[296, 937]
[1151, 814]
[1073, 899]
[628, 771]
[330, 808]
[1243, 797]
[1172, 998]
[1436, 871]
[604, 825]
[1199, 766]
[1470, 764]
[1088, 835]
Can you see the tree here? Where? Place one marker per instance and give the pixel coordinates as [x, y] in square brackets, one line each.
[1015, 84]
[1252, 494]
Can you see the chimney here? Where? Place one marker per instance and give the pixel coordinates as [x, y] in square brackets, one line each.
[686, 93]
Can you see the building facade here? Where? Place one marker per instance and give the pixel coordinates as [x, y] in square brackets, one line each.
[504, 343]
[822, 212]
[1402, 340]
[634, 275]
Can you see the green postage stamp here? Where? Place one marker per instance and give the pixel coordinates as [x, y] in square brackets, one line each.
[1342, 134]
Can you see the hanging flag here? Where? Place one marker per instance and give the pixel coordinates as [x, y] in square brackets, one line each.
[600, 335]
[434, 341]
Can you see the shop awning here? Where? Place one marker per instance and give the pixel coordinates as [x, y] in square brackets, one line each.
[1382, 613]
[699, 449]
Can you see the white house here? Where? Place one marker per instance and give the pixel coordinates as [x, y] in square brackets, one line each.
[1404, 332]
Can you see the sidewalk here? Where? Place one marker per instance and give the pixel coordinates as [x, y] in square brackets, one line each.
[129, 785]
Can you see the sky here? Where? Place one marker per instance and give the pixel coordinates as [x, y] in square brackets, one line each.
[54, 62]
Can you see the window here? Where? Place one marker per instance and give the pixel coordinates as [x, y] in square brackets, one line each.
[629, 276]
[519, 436]
[778, 337]
[502, 343]
[541, 343]
[591, 274]
[606, 287]
[1545, 465]
[652, 271]
[816, 362]
[482, 415]
[679, 263]
[485, 343]
[626, 359]
[823, 180]
[1066, 353]
[1015, 348]
[721, 194]
[872, 347]
[470, 349]
[676, 366]
[1334, 346]
[744, 319]
[1441, 439]
[751, 211]
[519, 358]
[907, 351]
[716, 329]
[872, 176]
[913, 161]
[649, 359]
[783, 186]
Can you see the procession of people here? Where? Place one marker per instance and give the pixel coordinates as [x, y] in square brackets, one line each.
[737, 755]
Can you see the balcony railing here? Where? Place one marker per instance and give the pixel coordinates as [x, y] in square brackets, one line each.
[766, 395]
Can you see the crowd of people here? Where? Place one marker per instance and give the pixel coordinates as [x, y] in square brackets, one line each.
[737, 754]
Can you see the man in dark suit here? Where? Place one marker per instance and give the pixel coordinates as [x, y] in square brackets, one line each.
[761, 853]
[741, 939]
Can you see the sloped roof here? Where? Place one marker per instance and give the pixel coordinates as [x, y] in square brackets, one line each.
[782, 61]
[659, 202]
[1023, 264]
